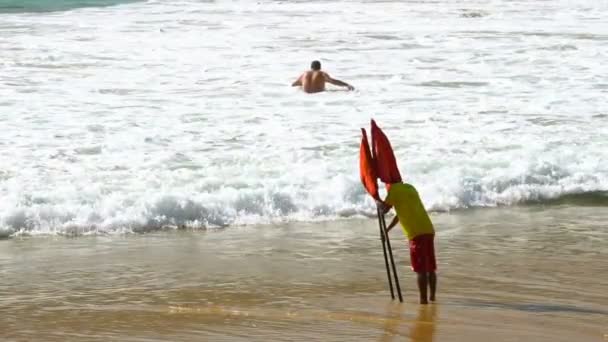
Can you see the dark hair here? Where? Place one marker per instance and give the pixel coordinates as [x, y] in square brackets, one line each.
[315, 65]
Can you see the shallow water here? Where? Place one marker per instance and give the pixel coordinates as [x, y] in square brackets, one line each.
[510, 274]
[166, 113]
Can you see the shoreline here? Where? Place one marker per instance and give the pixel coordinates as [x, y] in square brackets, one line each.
[595, 199]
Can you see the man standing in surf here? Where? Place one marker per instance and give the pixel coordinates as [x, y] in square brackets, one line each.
[418, 228]
[313, 81]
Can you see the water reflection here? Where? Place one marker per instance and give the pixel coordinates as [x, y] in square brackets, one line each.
[421, 329]
[393, 315]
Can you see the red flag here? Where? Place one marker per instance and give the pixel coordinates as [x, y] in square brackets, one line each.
[382, 152]
[367, 167]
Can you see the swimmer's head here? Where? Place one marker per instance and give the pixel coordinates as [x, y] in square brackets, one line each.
[315, 65]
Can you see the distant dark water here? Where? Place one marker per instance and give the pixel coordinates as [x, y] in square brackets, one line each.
[16, 6]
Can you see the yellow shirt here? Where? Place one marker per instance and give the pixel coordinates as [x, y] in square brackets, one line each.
[410, 210]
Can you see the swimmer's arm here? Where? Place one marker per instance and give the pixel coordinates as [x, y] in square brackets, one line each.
[338, 82]
[298, 82]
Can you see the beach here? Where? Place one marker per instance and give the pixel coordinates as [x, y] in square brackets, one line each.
[529, 273]
[160, 180]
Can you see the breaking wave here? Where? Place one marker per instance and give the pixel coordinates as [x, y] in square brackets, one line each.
[340, 198]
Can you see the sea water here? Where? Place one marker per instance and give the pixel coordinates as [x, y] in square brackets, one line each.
[180, 113]
[16, 6]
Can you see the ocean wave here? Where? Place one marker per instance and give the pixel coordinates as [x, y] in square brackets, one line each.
[540, 182]
[237, 205]
[141, 125]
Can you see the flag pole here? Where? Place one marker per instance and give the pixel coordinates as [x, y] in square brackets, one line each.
[388, 271]
[390, 253]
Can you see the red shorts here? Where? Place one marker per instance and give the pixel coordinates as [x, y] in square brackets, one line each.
[422, 253]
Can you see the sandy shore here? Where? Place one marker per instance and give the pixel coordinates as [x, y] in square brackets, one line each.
[512, 274]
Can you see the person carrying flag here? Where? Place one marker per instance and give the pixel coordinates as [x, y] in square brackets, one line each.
[418, 228]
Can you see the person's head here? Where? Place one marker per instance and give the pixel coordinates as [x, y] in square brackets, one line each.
[315, 65]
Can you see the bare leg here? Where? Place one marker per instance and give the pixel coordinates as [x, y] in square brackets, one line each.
[422, 285]
[432, 285]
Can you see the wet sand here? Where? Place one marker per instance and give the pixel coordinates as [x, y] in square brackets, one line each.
[510, 274]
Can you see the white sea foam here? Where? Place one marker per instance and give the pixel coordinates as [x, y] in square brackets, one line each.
[166, 114]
